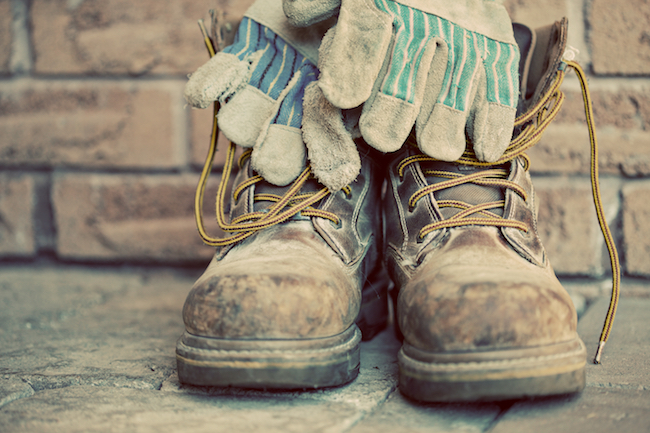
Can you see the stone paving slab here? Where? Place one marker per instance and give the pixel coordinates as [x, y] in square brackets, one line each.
[13, 388]
[594, 410]
[90, 328]
[400, 414]
[625, 358]
[98, 409]
[86, 349]
[95, 352]
[179, 408]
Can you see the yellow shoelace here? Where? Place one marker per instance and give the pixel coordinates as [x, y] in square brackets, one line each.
[533, 123]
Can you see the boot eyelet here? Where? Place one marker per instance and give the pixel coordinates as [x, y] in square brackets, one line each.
[337, 225]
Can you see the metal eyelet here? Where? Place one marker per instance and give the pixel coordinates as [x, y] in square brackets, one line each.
[337, 226]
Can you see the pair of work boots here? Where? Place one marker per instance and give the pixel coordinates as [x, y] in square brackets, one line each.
[305, 273]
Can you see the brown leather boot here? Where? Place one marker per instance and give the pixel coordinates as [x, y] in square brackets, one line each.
[482, 314]
[277, 306]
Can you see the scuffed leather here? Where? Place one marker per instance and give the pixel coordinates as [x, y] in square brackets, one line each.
[476, 293]
[528, 244]
[359, 213]
[404, 224]
[472, 288]
[546, 56]
[299, 279]
[284, 283]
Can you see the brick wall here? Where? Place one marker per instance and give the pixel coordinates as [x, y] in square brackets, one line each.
[99, 155]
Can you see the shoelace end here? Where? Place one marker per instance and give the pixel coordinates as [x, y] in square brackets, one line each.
[599, 352]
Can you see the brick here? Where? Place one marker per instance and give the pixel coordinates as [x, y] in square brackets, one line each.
[201, 124]
[619, 108]
[123, 37]
[96, 124]
[534, 13]
[16, 211]
[130, 217]
[565, 149]
[636, 214]
[568, 226]
[619, 37]
[6, 36]
[622, 120]
[595, 288]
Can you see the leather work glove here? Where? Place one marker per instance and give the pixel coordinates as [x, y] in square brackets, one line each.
[259, 81]
[449, 68]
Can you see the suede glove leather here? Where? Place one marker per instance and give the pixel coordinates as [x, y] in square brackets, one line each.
[260, 81]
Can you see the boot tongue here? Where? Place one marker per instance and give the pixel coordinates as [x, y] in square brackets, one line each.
[468, 193]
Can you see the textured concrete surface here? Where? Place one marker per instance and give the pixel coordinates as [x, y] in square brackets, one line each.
[92, 349]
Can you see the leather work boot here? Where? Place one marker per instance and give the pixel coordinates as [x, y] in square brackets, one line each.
[481, 311]
[276, 307]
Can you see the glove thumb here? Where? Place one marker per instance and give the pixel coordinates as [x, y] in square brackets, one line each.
[332, 153]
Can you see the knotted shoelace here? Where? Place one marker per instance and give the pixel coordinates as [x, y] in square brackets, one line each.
[532, 125]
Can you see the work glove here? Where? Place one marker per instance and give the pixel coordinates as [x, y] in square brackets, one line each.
[303, 13]
[447, 68]
[259, 81]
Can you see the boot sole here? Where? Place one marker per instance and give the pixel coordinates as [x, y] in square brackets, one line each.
[269, 364]
[498, 375]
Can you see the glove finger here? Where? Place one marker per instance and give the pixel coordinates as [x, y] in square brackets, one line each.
[352, 53]
[333, 155]
[390, 113]
[279, 154]
[437, 73]
[242, 117]
[227, 72]
[441, 125]
[443, 137]
[493, 111]
[220, 76]
[303, 13]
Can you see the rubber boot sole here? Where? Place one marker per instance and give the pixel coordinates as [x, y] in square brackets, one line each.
[269, 364]
[499, 375]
